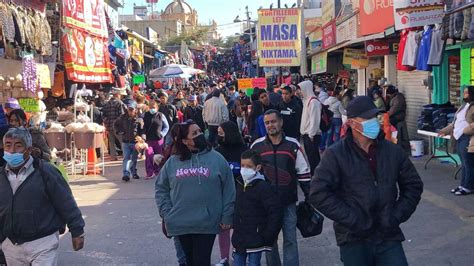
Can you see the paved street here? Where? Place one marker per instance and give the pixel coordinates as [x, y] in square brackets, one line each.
[122, 225]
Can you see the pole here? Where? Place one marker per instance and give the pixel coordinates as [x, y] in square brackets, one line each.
[280, 69]
[304, 61]
[251, 38]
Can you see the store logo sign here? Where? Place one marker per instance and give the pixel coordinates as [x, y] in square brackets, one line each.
[370, 6]
[377, 48]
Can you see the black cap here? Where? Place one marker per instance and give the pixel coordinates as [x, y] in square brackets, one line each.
[362, 107]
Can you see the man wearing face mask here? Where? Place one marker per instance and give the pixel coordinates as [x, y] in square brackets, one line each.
[368, 187]
[35, 205]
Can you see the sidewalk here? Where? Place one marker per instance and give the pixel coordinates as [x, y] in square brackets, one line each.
[123, 228]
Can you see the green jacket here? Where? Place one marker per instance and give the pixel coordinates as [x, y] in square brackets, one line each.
[196, 195]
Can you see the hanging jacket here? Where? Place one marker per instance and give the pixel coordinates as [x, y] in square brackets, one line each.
[257, 216]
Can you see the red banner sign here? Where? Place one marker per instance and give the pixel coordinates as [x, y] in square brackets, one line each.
[86, 58]
[375, 16]
[329, 34]
[88, 15]
[377, 48]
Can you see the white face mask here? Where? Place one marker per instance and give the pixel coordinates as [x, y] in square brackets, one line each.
[247, 173]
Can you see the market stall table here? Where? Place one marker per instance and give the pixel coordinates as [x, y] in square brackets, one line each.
[432, 143]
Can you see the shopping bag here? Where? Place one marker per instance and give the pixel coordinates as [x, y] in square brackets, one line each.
[309, 220]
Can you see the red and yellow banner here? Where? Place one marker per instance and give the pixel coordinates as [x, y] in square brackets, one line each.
[86, 55]
[88, 15]
[279, 37]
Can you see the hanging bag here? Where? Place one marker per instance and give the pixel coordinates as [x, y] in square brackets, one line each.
[309, 220]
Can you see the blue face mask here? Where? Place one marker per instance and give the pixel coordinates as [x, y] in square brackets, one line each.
[13, 159]
[371, 128]
[153, 111]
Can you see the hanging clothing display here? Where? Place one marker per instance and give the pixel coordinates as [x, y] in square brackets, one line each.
[401, 51]
[437, 47]
[411, 48]
[424, 50]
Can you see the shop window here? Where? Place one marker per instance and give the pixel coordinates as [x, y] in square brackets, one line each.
[454, 82]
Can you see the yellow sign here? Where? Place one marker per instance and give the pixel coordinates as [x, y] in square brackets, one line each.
[29, 105]
[356, 58]
[279, 37]
[244, 83]
[44, 76]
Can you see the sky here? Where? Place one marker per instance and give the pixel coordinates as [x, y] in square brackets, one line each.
[217, 10]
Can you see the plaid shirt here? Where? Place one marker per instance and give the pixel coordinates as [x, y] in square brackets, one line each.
[112, 110]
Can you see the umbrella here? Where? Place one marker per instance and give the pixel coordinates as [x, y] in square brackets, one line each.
[174, 71]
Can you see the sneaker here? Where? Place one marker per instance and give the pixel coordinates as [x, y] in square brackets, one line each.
[135, 176]
[126, 178]
[223, 262]
[454, 190]
[463, 192]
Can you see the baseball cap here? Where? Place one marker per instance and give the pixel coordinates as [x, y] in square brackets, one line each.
[192, 98]
[12, 103]
[132, 105]
[362, 107]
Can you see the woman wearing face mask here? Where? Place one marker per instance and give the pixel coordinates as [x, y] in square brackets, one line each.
[40, 149]
[258, 214]
[231, 146]
[462, 131]
[195, 194]
[156, 127]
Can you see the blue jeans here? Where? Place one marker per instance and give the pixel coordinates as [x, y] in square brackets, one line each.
[324, 137]
[334, 133]
[290, 244]
[130, 156]
[179, 251]
[250, 259]
[467, 162]
[372, 254]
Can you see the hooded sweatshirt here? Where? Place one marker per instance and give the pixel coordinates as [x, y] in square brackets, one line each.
[196, 195]
[311, 117]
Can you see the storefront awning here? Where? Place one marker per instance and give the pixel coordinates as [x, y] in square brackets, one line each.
[358, 40]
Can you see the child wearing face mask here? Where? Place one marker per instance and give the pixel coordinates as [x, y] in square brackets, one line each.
[257, 215]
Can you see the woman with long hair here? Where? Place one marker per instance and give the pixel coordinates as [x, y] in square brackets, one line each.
[195, 194]
[231, 146]
[256, 125]
[462, 131]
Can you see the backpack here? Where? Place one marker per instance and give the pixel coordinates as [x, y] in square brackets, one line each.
[326, 116]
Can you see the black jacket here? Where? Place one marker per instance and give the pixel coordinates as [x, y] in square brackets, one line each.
[362, 205]
[152, 126]
[284, 165]
[170, 112]
[41, 206]
[195, 113]
[257, 216]
[232, 154]
[127, 128]
[291, 113]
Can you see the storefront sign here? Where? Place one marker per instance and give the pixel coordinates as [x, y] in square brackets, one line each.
[356, 58]
[87, 15]
[377, 48]
[347, 30]
[328, 11]
[279, 37]
[329, 34]
[394, 47]
[138, 79]
[86, 58]
[252, 83]
[375, 16]
[319, 63]
[29, 105]
[312, 24]
[409, 13]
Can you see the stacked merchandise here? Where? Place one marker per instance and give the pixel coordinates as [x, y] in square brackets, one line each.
[434, 117]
